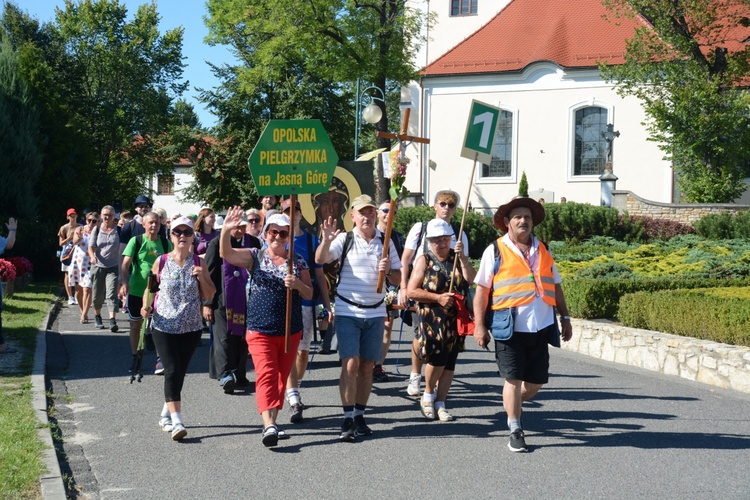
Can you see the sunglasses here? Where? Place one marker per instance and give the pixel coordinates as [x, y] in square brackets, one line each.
[143, 206]
[253, 221]
[90, 220]
[386, 210]
[444, 204]
[183, 232]
[296, 209]
[281, 234]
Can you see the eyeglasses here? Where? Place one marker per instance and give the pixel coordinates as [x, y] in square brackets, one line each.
[281, 234]
[183, 232]
[253, 221]
[90, 220]
[444, 204]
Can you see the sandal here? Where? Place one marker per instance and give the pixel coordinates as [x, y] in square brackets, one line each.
[270, 436]
[428, 410]
[444, 416]
[84, 321]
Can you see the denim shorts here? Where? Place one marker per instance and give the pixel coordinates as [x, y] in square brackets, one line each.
[361, 337]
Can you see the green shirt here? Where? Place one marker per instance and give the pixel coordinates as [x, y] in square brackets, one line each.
[143, 262]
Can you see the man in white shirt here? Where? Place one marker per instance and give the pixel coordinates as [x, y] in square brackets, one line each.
[360, 309]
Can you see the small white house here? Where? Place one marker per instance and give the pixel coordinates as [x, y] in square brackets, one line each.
[168, 190]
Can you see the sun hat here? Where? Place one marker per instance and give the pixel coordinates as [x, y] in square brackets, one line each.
[537, 211]
[437, 228]
[278, 218]
[362, 201]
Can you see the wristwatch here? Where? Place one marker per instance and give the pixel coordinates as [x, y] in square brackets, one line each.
[208, 303]
[565, 317]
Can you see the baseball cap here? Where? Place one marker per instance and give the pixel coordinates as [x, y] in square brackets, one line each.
[363, 201]
[71, 211]
[183, 221]
[437, 228]
[277, 218]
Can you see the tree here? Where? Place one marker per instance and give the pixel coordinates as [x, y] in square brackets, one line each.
[523, 186]
[21, 147]
[326, 42]
[688, 68]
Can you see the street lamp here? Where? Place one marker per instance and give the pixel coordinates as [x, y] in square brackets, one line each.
[371, 113]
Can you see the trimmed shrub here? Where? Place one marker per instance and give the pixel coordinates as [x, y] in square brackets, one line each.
[591, 298]
[692, 313]
[662, 229]
[579, 222]
[724, 226]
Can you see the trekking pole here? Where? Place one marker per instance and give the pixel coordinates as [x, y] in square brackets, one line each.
[290, 270]
[151, 287]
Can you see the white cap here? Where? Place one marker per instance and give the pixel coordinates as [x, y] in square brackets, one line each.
[183, 221]
[278, 218]
[437, 228]
[219, 222]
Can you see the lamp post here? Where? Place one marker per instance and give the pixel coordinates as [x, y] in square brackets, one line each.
[371, 113]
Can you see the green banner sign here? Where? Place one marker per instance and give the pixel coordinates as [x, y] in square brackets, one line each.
[293, 157]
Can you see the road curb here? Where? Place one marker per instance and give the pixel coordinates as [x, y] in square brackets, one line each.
[51, 481]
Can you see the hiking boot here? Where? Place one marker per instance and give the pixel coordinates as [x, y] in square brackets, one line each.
[347, 431]
[379, 375]
[517, 443]
[228, 384]
[360, 427]
[98, 322]
[113, 325]
[296, 413]
[159, 370]
[413, 388]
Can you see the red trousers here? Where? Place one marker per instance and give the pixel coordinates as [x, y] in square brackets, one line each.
[272, 367]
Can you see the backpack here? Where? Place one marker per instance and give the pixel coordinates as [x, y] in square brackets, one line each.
[139, 243]
[348, 242]
[423, 230]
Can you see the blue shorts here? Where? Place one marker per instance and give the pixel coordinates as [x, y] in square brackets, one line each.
[362, 337]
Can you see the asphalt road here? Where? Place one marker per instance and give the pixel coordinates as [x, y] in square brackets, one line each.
[598, 430]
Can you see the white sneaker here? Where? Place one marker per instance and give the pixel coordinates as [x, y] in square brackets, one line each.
[71, 301]
[178, 432]
[166, 424]
[75, 301]
[413, 388]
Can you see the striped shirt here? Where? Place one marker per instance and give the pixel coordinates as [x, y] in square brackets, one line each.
[359, 275]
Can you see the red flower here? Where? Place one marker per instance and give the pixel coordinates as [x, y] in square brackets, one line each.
[7, 271]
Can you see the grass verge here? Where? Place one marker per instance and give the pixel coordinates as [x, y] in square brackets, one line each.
[20, 449]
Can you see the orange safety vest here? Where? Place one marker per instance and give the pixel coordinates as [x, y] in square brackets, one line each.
[515, 284]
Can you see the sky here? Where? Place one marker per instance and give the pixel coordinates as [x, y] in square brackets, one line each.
[186, 13]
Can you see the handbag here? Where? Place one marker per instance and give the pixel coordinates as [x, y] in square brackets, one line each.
[66, 256]
[464, 321]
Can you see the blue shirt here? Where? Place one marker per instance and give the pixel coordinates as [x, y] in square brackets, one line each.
[300, 247]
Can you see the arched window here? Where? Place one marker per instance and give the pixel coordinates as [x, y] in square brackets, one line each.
[503, 150]
[590, 147]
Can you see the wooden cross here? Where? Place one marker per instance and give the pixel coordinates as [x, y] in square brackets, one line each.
[404, 140]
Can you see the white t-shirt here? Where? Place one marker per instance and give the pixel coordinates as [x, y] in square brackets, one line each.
[530, 317]
[413, 243]
[359, 275]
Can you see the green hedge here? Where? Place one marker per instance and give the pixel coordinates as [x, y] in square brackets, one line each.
[692, 313]
[581, 221]
[724, 226]
[591, 298]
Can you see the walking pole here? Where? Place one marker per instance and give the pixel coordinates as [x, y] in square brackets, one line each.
[463, 218]
[151, 288]
[290, 270]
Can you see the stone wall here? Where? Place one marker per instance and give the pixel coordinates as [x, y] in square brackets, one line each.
[686, 213]
[708, 362]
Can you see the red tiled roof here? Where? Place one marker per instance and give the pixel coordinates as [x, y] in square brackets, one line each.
[571, 33]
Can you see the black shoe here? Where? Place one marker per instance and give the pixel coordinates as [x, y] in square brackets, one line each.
[113, 325]
[517, 443]
[347, 431]
[243, 382]
[360, 427]
[327, 351]
[296, 413]
[228, 384]
[379, 375]
[98, 321]
[270, 436]
[149, 341]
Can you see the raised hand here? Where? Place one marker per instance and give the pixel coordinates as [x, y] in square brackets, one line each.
[233, 218]
[328, 229]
